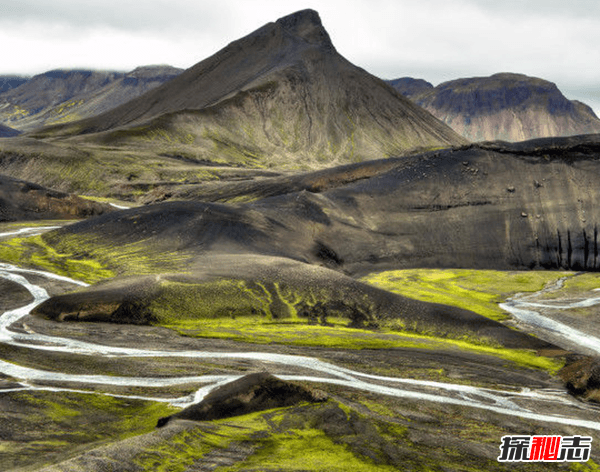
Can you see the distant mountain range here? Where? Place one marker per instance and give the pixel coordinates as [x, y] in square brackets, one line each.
[9, 82]
[279, 96]
[60, 96]
[7, 132]
[510, 107]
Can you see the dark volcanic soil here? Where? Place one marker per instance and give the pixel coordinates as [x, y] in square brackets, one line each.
[521, 206]
[21, 200]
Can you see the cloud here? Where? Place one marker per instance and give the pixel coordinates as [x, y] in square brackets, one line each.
[434, 39]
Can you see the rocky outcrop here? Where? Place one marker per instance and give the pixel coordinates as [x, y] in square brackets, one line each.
[582, 377]
[410, 87]
[510, 107]
[249, 394]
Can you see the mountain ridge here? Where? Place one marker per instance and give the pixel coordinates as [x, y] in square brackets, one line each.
[284, 91]
[504, 106]
[63, 95]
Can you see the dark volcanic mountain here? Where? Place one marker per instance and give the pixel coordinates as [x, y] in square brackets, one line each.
[281, 95]
[9, 82]
[410, 87]
[520, 206]
[510, 107]
[61, 96]
[6, 132]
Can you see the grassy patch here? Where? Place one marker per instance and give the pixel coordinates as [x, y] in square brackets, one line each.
[88, 259]
[258, 330]
[284, 439]
[50, 426]
[578, 285]
[35, 251]
[477, 290]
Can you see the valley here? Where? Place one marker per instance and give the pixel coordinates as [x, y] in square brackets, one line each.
[273, 260]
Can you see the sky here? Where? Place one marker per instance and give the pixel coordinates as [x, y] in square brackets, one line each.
[437, 40]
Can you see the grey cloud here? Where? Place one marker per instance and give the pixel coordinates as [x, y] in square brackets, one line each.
[542, 8]
[125, 15]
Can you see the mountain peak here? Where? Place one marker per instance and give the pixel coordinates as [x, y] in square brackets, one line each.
[307, 25]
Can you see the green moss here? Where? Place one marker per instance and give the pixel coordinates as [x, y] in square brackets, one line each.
[35, 251]
[258, 330]
[282, 439]
[308, 449]
[54, 425]
[589, 466]
[477, 290]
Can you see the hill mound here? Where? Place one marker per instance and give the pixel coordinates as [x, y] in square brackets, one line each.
[9, 82]
[20, 200]
[253, 392]
[510, 206]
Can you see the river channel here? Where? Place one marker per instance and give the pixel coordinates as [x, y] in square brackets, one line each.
[524, 403]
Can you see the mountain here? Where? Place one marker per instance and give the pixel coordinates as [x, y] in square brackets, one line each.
[280, 96]
[21, 107]
[7, 132]
[66, 95]
[9, 82]
[510, 107]
[409, 86]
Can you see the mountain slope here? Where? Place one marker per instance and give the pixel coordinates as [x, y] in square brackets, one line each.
[21, 107]
[67, 95]
[280, 94]
[9, 82]
[21, 200]
[7, 132]
[510, 107]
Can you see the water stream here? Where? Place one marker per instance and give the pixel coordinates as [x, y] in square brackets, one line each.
[500, 401]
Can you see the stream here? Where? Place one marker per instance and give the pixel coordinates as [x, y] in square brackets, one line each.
[522, 404]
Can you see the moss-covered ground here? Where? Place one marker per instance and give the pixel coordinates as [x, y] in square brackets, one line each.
[49, 426]
[35, 252]
[270, 311]
[477, 290]
[257, 330]
[366, 433]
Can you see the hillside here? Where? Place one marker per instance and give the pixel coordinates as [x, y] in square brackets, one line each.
[509, 107]
[61, 96]
[24, 201]
[281, 96]
[7, 132]
[9, 82]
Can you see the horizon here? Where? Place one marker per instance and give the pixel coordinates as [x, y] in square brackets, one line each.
[470, 38]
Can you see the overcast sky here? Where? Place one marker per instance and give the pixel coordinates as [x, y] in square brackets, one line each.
[436, 40]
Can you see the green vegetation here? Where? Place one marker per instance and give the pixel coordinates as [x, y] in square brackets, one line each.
[35, 251]
[579, 285]
[88, 259]
[589, 466]
[58, 423]
[258, 330]
[477, 290]
[295, 438]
